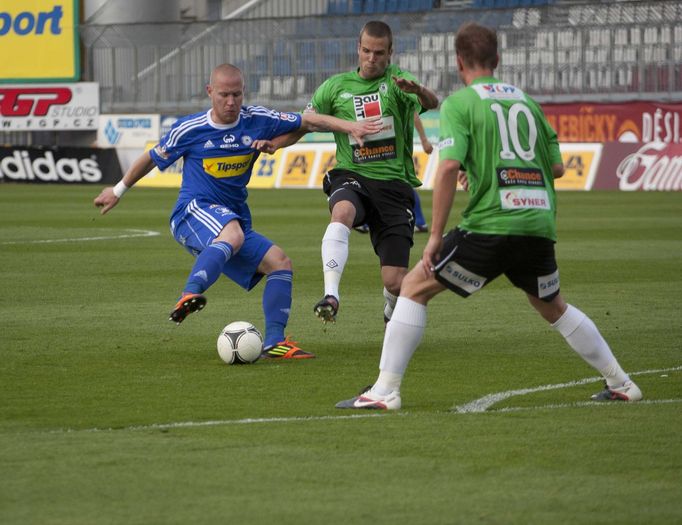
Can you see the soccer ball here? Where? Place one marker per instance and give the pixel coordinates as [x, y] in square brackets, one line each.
[240, 343]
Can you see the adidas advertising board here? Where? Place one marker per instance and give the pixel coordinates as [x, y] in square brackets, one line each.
[59, 165]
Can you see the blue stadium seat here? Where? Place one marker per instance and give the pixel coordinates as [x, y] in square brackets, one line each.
[368, 7]
[356, 7]
[379, 6]
[391, 6]
[403, 5]
[281, 66]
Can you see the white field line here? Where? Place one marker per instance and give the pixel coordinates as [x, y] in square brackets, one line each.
[133, 233]
[477, 406]
[582, 404]
[223, 422]
[484, 403]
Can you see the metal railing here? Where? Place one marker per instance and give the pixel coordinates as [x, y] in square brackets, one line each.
[562, 52]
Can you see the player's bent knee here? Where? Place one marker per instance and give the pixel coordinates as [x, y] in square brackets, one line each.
[275, 260]
[419, 288]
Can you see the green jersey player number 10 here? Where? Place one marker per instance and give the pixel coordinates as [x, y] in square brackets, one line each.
[509, 128]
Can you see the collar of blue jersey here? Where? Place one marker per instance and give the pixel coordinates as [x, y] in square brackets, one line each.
[222, 126]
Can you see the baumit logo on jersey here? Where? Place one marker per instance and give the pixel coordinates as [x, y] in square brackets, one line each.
[367, 106]
[222, 167]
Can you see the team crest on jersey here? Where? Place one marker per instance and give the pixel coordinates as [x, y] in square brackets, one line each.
[246, 140]
[383, 88]
[367, 106]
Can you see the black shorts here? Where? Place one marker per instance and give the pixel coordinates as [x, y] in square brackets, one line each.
[469, 261]
[385, 206]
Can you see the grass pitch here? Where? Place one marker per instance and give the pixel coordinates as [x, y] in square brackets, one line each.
[111, 414]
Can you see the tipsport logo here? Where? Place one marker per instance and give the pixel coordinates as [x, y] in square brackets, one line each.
[367, 106]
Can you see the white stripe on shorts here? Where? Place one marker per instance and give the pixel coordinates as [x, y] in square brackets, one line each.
[207, 220]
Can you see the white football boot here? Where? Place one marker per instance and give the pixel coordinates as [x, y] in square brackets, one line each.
[372, 401]
[628, 392]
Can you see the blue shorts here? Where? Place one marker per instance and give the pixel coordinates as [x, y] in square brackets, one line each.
[197, 224]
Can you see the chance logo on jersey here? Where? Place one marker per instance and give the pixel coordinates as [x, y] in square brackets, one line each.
[381, 145]
[519, 177]
[221, 167]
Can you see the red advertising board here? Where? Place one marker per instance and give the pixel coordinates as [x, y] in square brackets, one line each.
[653, 166]
[627, 122]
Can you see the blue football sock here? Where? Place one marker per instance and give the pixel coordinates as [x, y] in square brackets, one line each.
[208, 267]
[276, 305]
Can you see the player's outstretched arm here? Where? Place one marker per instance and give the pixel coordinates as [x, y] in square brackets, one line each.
[427, 98]
[357, 128]
[110, 195]
[281, 141]
[316, 122]
[426, 143]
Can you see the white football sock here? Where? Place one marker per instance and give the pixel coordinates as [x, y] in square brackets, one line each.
[389, 305]
[583, 336]
[403, 335]
[334, 256]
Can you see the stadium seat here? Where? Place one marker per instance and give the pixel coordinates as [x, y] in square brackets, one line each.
[356, 7]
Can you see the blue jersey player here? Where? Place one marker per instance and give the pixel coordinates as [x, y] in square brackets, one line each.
[211, 218]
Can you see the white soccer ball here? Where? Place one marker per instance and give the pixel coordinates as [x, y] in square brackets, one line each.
[240, 343]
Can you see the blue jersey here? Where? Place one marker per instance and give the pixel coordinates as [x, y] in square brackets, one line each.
[218, 158]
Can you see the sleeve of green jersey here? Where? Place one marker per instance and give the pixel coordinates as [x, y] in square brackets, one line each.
[321, 100]
[552, 140]
[554, 151]
[454, 132]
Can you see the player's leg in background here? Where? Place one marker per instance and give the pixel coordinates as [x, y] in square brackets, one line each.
[344, 205]
[419, 219]
[584, 338]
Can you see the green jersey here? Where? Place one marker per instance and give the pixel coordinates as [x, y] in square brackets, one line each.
[503, 140]
[386, 155]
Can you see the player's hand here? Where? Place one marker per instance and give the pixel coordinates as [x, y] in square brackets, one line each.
[462, 179]
[361, 128]
[264, 146]
[431, 254]
[106, 199]
[408, 86]
[427, 147]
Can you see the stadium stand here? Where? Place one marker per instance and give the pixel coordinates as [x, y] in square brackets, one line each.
[558, 50]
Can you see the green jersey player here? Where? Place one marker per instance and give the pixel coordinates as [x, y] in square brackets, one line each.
[512, 158]
[373, 182]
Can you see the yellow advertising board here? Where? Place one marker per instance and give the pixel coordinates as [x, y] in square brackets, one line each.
[265, 170]
[297, 166]
[580, 162]
[304, 166]
[327, 162]
[39, 40]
